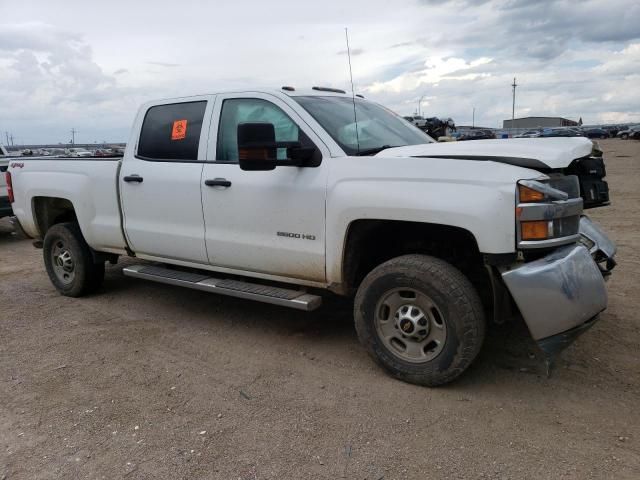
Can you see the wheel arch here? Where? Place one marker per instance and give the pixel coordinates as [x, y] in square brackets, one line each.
[48, 211]
[370, 242]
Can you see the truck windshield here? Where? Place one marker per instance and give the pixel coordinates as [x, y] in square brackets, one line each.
[378, 128]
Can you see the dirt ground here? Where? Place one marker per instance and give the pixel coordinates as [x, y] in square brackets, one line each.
[145, 380]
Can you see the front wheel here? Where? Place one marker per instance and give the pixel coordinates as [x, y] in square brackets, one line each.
[69, 262]
[420, 319]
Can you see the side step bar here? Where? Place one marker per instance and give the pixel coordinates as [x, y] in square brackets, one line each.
[234, 288]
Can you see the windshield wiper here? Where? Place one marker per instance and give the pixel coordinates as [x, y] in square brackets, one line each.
[373, 151]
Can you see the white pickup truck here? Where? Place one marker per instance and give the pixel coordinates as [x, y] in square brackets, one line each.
[279, 195]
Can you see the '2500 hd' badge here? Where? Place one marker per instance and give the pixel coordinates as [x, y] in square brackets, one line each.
[303, 236]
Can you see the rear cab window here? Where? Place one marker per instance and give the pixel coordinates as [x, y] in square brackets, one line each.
[172, 132]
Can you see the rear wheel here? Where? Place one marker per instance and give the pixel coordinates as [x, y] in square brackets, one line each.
[420, 319]
[69, 262]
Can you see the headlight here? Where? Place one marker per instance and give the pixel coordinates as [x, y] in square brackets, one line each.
[528, 194]
[546, 216]
[537, 191]
[537, 230]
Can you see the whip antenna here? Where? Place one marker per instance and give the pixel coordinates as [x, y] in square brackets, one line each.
[353, 93]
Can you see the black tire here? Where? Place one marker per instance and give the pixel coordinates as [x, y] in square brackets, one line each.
[453, 296]
[83, 276]
[624, 137]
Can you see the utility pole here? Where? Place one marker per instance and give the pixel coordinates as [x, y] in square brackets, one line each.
[473, 118]
[11, 137]
[513, 106]
[73, 136]
[419, 107]
[7, 135]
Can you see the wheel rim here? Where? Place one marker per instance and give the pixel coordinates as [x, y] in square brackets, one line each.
[63, 263]
[410, 325]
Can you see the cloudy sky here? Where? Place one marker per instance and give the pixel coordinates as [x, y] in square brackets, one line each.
[89, 65]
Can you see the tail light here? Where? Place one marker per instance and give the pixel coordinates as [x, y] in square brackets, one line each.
[9, 187]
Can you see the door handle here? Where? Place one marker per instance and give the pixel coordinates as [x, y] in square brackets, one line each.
[133, 178]
[217, 182]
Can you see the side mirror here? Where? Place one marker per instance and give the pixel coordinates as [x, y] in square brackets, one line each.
[257, 146]
[258, 149]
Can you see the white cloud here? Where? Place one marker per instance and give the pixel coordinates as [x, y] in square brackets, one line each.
[61, 66]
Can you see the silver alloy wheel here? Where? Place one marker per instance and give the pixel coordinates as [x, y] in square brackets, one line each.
[410, 325]
[62, 261]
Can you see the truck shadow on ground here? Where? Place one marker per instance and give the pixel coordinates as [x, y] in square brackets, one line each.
[7, 234]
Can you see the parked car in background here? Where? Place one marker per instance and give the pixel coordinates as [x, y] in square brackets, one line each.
[104, 152]
[614, 129]
[595, 133]
[560, 132]
[528, 134]
[476, 134]
[57, 152]
[78, 152]
[631, 132]
[417, 120]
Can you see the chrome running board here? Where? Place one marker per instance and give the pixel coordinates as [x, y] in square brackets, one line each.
[285, 297]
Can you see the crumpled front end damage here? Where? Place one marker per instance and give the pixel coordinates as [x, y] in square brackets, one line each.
[561, 294]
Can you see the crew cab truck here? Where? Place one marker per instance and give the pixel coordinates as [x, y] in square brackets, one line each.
[277, 195]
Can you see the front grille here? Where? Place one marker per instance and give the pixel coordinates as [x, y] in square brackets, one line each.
[591, 171]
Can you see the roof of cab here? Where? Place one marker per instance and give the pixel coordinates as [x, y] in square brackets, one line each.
[306, 92]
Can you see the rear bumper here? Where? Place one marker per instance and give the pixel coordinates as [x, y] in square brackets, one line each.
[561, 294]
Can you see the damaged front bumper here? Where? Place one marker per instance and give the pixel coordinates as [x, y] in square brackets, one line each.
[601, 248]
[561, 294]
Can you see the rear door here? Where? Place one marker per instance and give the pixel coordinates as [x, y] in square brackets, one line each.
[160, 181]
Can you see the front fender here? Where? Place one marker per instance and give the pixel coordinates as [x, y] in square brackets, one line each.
[485, 210]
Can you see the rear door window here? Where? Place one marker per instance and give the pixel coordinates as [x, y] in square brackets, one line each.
[172, 132]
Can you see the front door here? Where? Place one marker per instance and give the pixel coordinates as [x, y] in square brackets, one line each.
[160, 182]
[270, 222]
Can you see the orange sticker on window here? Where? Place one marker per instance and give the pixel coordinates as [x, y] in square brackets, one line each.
[179, 130]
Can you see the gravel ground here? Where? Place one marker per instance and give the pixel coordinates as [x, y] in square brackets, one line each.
[149, 381]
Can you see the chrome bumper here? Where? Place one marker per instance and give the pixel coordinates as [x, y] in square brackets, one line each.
[561, 294]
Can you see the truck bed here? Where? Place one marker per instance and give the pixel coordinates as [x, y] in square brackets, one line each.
[90, 184]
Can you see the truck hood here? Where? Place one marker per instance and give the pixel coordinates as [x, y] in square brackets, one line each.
[536, 153]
